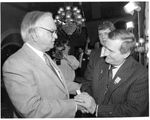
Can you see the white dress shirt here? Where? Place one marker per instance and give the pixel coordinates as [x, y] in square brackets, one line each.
[114, 71]
[102, 52]
[38, 52]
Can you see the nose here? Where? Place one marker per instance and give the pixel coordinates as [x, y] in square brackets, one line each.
[55, 35]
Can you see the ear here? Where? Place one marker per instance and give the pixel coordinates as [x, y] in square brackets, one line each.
[126, 54]
[34, 35]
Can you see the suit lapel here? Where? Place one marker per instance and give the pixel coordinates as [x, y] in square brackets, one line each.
[59, 73]
[40, 64]
[102, 69]
[121, 76]
[102, 80]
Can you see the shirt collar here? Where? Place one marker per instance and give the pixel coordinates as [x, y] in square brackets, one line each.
[118, 66]
[102, 52]
[38, 52]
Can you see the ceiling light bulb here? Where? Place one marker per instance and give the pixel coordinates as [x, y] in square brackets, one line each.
[75, 9]
[79, 16]
[137, 44]
[61, 9]
[57, 17]
[68, 16]
[78, 11]
[68, 8]
[83, 20]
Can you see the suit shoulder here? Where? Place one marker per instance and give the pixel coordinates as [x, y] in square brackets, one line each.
[95, 52]
[15, 59]
[139, 68]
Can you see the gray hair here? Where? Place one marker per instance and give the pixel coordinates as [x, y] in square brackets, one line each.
[29, 22]
[127, 37]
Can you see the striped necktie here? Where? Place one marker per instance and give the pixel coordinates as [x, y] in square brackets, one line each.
[48, 62]
[56, 71]
[110, 74]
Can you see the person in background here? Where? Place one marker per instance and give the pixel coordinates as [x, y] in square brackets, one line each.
[80, 57]
[34, 83]
[119, 88]
[97, 55]
[57, 54]
[83, 58]
[97, 45]
[68, 65]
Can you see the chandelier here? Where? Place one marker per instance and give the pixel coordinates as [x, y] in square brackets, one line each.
[69, 19]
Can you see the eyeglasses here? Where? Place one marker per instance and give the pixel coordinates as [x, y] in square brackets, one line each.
[54, 31]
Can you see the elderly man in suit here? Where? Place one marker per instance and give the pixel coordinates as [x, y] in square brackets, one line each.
[124, 92]
[34, 83]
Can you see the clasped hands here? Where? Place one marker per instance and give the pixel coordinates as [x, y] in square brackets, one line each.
[85, 103]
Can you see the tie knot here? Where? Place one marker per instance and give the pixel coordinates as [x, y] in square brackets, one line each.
[110, 72]
[112, 67]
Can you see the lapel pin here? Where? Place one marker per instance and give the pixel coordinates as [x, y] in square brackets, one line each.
[117, 80]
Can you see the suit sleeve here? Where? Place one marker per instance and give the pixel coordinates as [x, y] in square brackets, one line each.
[88, 75]
[72, 87]
[136, 103]
[23, 92]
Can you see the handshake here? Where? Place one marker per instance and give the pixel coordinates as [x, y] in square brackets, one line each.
[85, 103]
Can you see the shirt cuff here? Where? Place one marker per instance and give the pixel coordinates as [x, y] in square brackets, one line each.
[76, 107]
[96, 111]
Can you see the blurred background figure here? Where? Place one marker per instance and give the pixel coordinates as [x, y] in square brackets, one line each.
[83, 57]
[97, 45]
[67, 64]
[56, 53]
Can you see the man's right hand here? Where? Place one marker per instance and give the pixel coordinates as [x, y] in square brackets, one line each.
[86, 101]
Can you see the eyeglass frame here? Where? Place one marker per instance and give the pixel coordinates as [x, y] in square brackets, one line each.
[52, 32]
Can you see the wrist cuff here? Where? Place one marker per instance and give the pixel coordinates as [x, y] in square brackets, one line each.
[96, 111]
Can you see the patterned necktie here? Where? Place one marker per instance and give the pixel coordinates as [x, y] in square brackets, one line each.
[110, 74]
[109, 77]
[48, 62]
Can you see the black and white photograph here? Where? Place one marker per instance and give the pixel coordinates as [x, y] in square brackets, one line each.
[75, 59]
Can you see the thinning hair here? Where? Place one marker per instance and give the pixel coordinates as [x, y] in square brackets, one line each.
[127, 37]
[106, 25]
[29, 22]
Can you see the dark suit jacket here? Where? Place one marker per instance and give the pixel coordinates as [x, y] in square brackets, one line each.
[34, 89]
[88, 75]
[127, 93]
